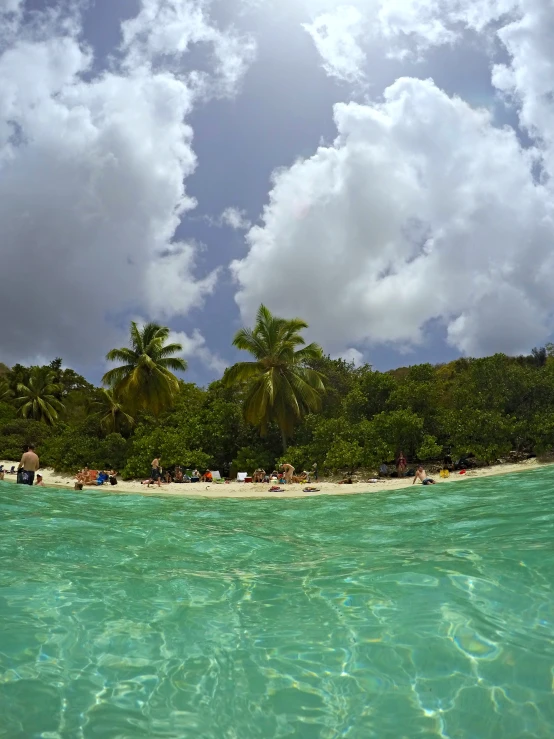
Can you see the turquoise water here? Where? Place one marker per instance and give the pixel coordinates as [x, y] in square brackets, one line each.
[426, 613]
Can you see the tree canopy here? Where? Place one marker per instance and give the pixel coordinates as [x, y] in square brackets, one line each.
[328, 410]
[145, 379]
[280, 385]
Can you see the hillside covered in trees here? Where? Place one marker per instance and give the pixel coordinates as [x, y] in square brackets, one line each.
[485, 407]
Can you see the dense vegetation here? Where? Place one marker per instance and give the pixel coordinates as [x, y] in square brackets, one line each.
[327, 410]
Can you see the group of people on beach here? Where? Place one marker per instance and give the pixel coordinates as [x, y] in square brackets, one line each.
[401, 470]
[28, 468]
[285, 475]
[157, 475]
[94, 477]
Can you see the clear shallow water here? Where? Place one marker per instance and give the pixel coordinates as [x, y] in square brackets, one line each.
[421, 614]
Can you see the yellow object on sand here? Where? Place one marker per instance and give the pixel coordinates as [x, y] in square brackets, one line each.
[444, 473]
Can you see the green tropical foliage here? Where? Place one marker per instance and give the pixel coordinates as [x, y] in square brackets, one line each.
[330, 412]
[37, 398]
[280, 385]
[110, 409]
[145, 379]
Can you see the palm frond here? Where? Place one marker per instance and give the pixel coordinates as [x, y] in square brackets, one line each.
[175, 364]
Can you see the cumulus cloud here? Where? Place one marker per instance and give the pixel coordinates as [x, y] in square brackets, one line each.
[351, 355]
[337, 36]
[235, 219]
[528, 80]
[421, 209]
[401, 29]
[164, 30]
[195, 347]
[92, 171]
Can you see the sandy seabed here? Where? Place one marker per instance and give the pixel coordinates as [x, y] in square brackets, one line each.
[259, 490]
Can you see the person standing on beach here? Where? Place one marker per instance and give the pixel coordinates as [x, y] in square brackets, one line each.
[156, 473]
[401, 464]
[315, 473]
[289, 472]
[28, 466]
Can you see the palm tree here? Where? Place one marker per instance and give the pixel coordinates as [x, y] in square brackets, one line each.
[110, 409]
[280, 384]
[145, 380]
[37, 397]
[5, 392]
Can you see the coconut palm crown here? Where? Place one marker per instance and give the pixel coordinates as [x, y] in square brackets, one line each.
[145, 379]
[111, 411]
[37, 399]
[280, 385]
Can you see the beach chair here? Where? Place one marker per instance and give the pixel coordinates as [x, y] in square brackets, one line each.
[241, 476]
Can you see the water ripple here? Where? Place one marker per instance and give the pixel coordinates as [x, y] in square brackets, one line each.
[429, 614]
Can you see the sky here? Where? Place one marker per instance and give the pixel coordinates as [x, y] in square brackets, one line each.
[381, 168]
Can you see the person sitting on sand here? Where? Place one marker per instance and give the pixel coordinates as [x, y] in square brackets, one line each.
[383, 470]
[82, 476]
[346, 481]
[167, 477]
[207, 476]
[259, 475]
[102, 477]
[39, 482]
[112, 477]
[300, 478]
[288, 469]
[422, 475]
[178, 475]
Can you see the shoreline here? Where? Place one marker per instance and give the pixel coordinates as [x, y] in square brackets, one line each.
[241, 490]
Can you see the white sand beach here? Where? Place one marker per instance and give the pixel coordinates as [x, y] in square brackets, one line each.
[259, 490]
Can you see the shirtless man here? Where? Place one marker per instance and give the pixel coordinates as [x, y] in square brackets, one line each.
[156, 473]
[29, 464]
[289, 472]
[422, 475]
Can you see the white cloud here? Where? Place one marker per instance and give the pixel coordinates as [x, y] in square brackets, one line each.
[351, 355]
[165, 30]
[236, 219]
[529, 78]
[194, 346]
[337, 35]
[92, 172]
[344, 34]
[420, 210]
